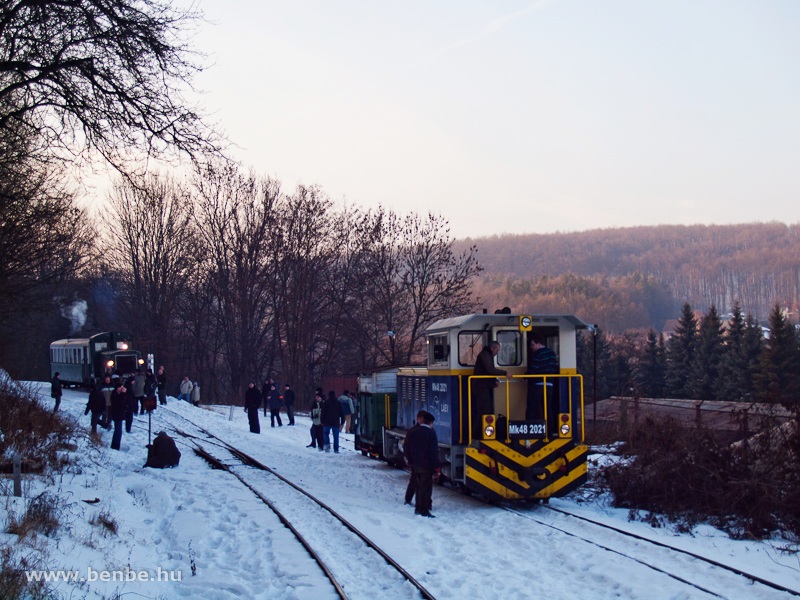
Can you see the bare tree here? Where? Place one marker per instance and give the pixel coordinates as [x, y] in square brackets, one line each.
[45, 238]
[236, 217]
[108, 76]
[152, 245]
[414, 277]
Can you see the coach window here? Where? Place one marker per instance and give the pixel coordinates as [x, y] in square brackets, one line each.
[510, 354]
[470, 343]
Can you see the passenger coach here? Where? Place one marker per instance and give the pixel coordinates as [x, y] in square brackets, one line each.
[512, 458]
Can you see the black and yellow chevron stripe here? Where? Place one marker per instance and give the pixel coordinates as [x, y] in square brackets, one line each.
[500, 471]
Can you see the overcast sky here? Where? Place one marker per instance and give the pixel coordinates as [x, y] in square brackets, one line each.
[517, 117]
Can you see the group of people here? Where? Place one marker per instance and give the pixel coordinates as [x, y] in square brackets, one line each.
[116, 399]
[189, 391]
[329, 417]
[272, 399]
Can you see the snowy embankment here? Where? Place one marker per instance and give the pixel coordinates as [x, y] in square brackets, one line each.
[205, 536]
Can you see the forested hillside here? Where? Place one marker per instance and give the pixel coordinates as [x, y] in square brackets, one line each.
[639, 277]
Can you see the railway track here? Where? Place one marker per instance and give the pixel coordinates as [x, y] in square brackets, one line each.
[344, 554]
[605, 545]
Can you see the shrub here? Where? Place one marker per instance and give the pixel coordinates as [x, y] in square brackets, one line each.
[41, 517]
[29, 428]
[749, 488]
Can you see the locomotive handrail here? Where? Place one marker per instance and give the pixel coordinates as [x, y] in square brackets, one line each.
[469, 399]
[544, 377]
[569, 376]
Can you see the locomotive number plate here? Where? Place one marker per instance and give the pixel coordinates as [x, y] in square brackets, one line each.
[526, 430]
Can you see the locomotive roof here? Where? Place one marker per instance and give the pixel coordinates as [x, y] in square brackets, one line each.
[479, 320]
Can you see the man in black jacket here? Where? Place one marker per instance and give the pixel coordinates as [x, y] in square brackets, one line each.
[252, 402]
[411, 489]
[424, 455]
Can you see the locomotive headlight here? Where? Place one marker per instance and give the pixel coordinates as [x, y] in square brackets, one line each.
[565, 429]
[141, 361]
[488, 431]
[110, 364]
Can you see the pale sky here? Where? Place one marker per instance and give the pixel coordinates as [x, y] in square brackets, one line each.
[517, 117]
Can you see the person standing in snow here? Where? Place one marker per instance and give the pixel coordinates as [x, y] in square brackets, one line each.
[272, 397]
[252, 402]
[119, 408]
[411, 489]
[55, 390]
[331, 418]
[196, 393]
[317, 438]
[97, 406]
[424, 456]
[161, 377]
[186, 389]
[288, 400]
[347, 410]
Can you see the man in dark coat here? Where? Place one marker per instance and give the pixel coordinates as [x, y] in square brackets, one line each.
[272, 397]
[483, 389]
[331, 417]
[252, 402]
[424, 455]
[55, 390]
[411, 489]
[163, 452]
[288, 400]
[118, 411]
[131, 405]
[161, 377]
[97, 406]
[542, 361]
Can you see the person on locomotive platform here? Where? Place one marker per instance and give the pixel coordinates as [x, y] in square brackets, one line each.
[332, 414]
[161, 377]
[483, 389]
[97, 406]
[411, 489]
[55, 390]
[541, 361]
[424, 455]
[252, 402]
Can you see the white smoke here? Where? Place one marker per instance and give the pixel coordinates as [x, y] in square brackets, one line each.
[76, 313]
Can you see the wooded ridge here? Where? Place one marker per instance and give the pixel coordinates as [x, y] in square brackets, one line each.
[639, 276]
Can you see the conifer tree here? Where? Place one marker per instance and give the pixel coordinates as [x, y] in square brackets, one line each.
[650, 372]
[681, 350]
[779, 381]
[739, 356]
[708, 356]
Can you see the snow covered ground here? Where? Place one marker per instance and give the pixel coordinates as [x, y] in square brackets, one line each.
[206, 536]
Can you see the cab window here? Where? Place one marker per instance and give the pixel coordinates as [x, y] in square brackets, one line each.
[510, 354]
